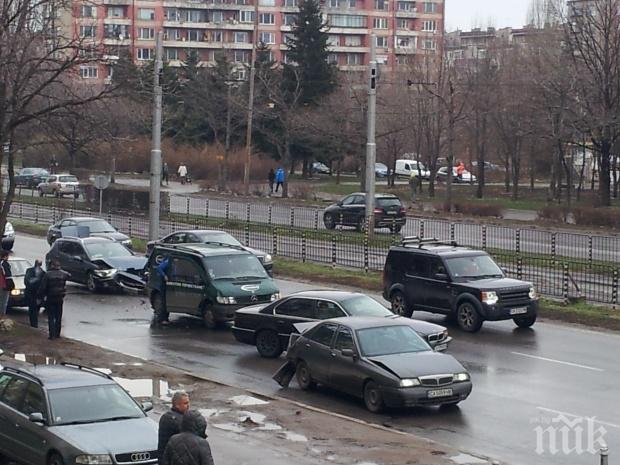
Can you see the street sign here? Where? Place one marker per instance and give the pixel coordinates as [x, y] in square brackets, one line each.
[101, 182]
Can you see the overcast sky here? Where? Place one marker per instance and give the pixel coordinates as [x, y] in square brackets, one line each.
[465, 14]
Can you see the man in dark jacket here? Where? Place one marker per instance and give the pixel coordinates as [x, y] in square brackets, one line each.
[53, 289]
[6, 282]
[170, 422]
[32, 280]
[190, 447]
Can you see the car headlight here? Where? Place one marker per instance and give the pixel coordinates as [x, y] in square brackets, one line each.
[490, 297]
[105, 273]
[16, 292]
[275, 296]
[226, 300]
[93, 459]
[127, 243]
[533, 295]
[267, 259]
[409, 382]
[460, 377]
[8, 229]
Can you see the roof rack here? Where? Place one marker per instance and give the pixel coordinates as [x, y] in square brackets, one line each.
[84, 368]
[224, 244]
[24, 373]
[185, 247]
[422, 241]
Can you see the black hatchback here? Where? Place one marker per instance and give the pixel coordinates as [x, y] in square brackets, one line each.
[389, 212]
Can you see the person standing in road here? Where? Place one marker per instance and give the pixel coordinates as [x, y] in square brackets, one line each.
[271, 177]
[165, 173]
[162, 271]
[182, 172]
[279, 179]
[414, 184]
[53, 289]
[190, 446]
[170, 422]
[6, 282]
[460, 169]
[32, 280]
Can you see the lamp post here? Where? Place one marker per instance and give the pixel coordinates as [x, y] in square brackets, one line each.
[156, 143]
[371, 146]
[248, 136]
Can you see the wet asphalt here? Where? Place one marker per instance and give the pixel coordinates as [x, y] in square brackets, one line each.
[525, 381]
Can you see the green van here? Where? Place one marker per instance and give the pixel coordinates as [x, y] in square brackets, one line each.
[209, 281]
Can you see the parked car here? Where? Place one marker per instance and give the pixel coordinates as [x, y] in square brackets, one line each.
[59, 185]
[442, 175]
[210, 236]
[86, 226]
[94, 261]
[383, 361]
[381, 170]
[488, 166]
[351, 211]
[320, 168]
[404, 168]
[17, 297]
[31, 177]
[8, 237]
[462, 283]
[269, 326]
[69, 414]
[208, 281]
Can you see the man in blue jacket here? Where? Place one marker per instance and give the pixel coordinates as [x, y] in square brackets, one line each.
[279, 179]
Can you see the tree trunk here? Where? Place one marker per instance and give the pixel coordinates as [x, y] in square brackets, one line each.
[507, 175]
[604, 180]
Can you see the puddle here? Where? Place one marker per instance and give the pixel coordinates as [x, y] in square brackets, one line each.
[270, 427]
[35, 359]
[257, 418]
[123, 364]
[145, 387]
[232, 427]
[466, 459]
[295, 437]
[212, 412]
[247, 400]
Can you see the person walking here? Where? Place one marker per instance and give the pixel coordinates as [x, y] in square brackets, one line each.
[190, 446]
[279, 179]
[53, 289]
[6, 282]
[460, 169]
[170, 422]
[165, 173]
[271, 177]
[414, 184]
[182, 172]
[32, 280]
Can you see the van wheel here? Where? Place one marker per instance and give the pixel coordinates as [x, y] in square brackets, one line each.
[304, 378]
[329, 221]
[208, 319]
[468, 317]
[525, 321]
[268, 344]
[373, 397]
[399, 304]
[55, 459]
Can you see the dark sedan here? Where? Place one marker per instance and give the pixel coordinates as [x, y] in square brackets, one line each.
[389, 212]
[269, 326]
[210, 236]
[86, 227]
[31, 177]
[382, 361]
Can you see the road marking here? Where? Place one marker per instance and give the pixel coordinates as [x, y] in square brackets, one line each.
[557, 412]
[544, 359]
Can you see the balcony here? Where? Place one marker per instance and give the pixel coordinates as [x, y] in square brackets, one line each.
[120, 21]
[407, 14]
[224, 25]
[207, 45]
[348, 30]
[348, 49]
[207, 5]
[117, 2]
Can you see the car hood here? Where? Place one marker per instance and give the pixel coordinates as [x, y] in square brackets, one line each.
[412, 365]
[258, 253]
[113, 437]
[115, 236]
[19, 282]
[254, 309]
[425, 328]
[496, 284]
[125, 263]
[240, 288]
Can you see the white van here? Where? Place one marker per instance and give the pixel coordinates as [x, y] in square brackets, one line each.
[405, 167]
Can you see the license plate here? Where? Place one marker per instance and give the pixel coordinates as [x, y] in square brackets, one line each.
[439, 393]
[440, 347]
[392, 213]
[518, 311]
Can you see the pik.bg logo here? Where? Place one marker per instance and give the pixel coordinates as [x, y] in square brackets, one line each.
[568, 435]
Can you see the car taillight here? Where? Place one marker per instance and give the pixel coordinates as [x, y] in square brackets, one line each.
[378, 211]
[402, 210]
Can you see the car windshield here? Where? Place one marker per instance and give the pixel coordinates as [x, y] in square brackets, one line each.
[108, 249]
[363, 305]
[19, 267]
[474, 267]
[389, 340]
[236, 266]
[388, 202]
[98, 226]
[381, 166]
[222, 237]
[68, 179]
[92, 404]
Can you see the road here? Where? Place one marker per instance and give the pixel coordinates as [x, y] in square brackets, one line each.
[522, 378]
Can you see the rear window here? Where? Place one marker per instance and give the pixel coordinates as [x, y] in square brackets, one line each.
[388, 202]
[68, 179]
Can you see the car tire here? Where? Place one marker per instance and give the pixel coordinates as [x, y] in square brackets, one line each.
[268, 344]
[525, 321]
[361, 225]
[55, 459]
[329, 221]
[400, 306]
[304, 378]
[373, 399]
[468, 317]
[91, 284]
[208, 318]
[57, 194]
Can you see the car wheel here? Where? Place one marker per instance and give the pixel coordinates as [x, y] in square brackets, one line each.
[91, 284]
[361, 224]
[468, 317]
[57, 194]
[399, 304]
[208, 318]
[55, 459]
[40, 192]
[396, 229]
[525, 321]
[373, 397]
[330, 222]
[304, 378]
[268, 344]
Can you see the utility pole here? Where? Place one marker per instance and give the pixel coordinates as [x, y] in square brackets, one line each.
[371, 146]
[248, 136]
[156, 144]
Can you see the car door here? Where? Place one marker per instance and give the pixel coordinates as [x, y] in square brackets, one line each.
[46, 187]
[185, 287]
[345, 373]
[358, 209]
[67, 228]
[439, 289]
[10, 400]
[177, 238]
[291, 311]
[82, 264]
[415, 273]
[67, 253]
[32, 437]
[345, 214]
[317, 351]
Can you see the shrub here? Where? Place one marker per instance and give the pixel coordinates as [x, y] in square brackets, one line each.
[605, 217]
[123, 198]
[479, 209]
[303, 191]
[553, 213]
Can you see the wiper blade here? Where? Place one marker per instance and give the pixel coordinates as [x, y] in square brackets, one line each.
[126, 417]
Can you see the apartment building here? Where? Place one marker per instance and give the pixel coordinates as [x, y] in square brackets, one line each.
[404, 29]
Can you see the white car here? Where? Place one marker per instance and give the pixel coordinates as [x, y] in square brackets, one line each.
[8, 237]
[404, 168]
[59, 185]
[442, 175]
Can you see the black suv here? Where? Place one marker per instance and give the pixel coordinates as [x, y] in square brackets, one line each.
[465, 284]
[351, 211]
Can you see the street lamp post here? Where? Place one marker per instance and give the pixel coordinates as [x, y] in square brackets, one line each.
[371, 146]
[248, 136]
[156, 143]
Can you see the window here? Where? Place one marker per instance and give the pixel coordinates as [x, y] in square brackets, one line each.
[171, 14]
[145, 53]
[34, 402]
[88, 72]
[344, 339]
[4, 380]
[14, 392]
[381, 5]
[241, 56]
[267, 2]
[217, 16]
[116, 12]
[354, 58]
[403, 24]
[266, 18]
[352, 3]
[353, 41]
[325, 310]
[289, 19]
[379, 23]
[416, 265]
[267, 38]
[241, 2]
[240, 37]
[324, 334]
[246, 16]
[333, 3]
[146, 33]
[291, 3]
[172, 34]
[430, 7]
[346, 20]
[382, 42]
[298, 308]
[172, 53]
[332, 58]
[147, 14]
[333, 41]
[428, 44]
[429, 26]
[195, 16]
[195, 35]
[437, 267]
[217, 36]
[404, 6]
[350, 200]
[88, 11]
[88, 31]
[184, 271]
[404, 42]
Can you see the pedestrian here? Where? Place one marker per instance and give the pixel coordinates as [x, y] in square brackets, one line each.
[182, 172]
[53, 289]
[414, 184]
[170, 422]
[271, 177]
[165, 269]
[6, 282]
[190, 446]
[165, 172]
[32, 280]
[460, 169]
[279, 179]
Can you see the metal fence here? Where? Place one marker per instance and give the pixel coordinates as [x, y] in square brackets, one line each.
[557, 272]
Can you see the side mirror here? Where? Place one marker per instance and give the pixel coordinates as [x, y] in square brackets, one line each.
[147, 406]
[36, 417]
[441, 277]
[78, 258]
[339, 203]
[348, 353]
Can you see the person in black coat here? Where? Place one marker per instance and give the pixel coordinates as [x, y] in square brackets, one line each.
[32, 280]
[53, 289]
[6, 282]
[190, 446]
[271, 177]
[170, 422]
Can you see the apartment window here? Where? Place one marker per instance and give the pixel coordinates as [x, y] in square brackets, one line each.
[266, 18]
[217, 17]
[267, 38]
[354, 58]
[403, 24]
[381, 4]
[430, 7]
[246, 16]
[172, 34]
[379, 23]
[404, 6]
[429, 26]
[116, 31]
[290, 3]
[382, 42]
[88, 11]
[289, 19]
[333, 3]
[241, 2]
[195, 35]
[171, 14]
[240, 56]
[332, 58]
[147, 14]
[287, 38]
[267, 2]
[172, 53]
[88, 31]
[429, 44]
[333, 41]
[217, 36]
[240, 38]
[352, 3]
[346, 20]
[116, 12]
[146, 33]
[403, 42]
[240, 74]
[88, 72]
[353, 41]
[195, 16]
[145, 53]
